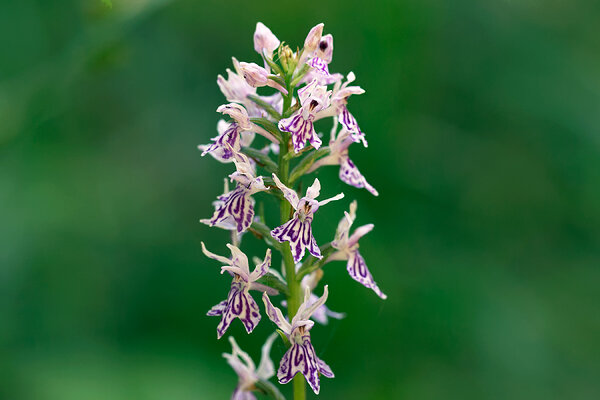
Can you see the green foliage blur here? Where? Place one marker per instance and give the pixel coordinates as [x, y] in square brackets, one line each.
[483, 123]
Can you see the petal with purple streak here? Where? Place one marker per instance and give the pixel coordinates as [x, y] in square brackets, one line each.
[301, 130]
[357, 268]
[350, 174]
[324, 369]
[319, 65]
[239, 305]
[217, 309]
[299, 235]
[236, 204]
[301, 358]
[351, 125]
[222, 145]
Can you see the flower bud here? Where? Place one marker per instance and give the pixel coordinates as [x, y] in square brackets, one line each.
[254, 74]
[286, 56]
[265, 40]
[313, 38]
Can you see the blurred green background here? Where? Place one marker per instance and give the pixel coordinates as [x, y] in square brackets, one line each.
[483, 121]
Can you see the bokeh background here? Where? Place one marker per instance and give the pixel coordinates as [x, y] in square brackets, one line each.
[483, 121]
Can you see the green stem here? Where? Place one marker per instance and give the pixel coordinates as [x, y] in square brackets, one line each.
[294, 297]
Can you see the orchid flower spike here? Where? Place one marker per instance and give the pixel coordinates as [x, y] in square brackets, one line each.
[347, 249]
[298, 230]
[239, 303]
[338, 155]
[246, 370]
[236, 208]
[313, 98]
[301, 356]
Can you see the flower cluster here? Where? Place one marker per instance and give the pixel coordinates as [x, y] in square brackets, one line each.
[287, 148]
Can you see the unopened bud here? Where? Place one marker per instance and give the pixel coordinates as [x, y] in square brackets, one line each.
[313, 38]
[254, 74]
[286, 56]
[265, 40]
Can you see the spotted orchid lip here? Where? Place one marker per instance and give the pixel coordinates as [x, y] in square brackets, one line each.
[225, 144]
[239, 302]
[302, 129]
[298, 230]
[301, 356]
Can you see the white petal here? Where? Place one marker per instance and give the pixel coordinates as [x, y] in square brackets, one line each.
[261, 269]
[239, 259]
[265, 40]
[266, 368]
[276, 316]
[214, 256]
[288, 193]
[309, 311]
[314, 190]
[336, 197]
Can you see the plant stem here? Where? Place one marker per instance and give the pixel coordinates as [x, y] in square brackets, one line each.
[295, 292]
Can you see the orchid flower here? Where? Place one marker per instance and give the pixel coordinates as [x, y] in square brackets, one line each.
[339, 100]
[301, 356]
[347, 249]
[235, 135]
[338, 155]
[298, 230]
[237, 207]
[313, 98]
[239, 303]
[246, 370]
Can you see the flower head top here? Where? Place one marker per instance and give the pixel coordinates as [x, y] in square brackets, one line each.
[246, 370]
[298, 230]
[239, 303]
[338, 155]
[301, 356]
[236, 208]
[313, 98]
[347, 249]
